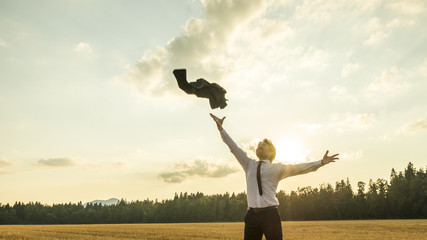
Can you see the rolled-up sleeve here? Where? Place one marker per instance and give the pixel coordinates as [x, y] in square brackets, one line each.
[240, 155]
[302, 168]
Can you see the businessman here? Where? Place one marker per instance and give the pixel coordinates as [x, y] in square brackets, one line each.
[262, 178]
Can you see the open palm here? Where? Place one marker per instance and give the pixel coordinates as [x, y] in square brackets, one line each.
[218, 121]
[328, 159]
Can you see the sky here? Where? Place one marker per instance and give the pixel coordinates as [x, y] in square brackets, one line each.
[90, 109]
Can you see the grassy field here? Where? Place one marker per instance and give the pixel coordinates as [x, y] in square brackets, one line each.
[351, 230]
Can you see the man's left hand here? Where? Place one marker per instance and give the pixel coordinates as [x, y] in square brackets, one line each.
[328, 159]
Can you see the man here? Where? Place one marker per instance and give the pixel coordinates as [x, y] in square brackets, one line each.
[262, 178]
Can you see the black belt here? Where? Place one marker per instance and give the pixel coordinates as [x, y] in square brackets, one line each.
[258, 210]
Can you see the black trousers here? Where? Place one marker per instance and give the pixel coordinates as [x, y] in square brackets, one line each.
[266, 222]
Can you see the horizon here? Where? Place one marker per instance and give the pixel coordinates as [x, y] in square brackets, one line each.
[90, 108]
[230, 193]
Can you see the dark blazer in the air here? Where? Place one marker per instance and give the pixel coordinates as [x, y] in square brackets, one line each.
[202, 88]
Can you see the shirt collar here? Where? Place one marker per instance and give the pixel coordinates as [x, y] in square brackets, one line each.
[265, 161]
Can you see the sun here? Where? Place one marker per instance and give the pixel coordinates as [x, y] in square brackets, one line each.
[291, 151]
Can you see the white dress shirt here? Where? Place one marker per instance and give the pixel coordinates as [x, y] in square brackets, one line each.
[271, 174]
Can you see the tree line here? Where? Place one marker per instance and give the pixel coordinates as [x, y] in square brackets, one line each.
[404, 196]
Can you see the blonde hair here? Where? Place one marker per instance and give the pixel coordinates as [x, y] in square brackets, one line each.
[271, 147]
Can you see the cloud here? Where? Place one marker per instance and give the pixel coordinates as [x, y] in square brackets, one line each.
[199, 168]
[250, 147]
[314, 58]
[119, 164]
[415, 126]
[408, 7]
[310, 127]
[58, 162]
[423, 68]
[349, 68]
[338, 90]
[388, 83]
[264, 32]
[2, 43]
[83, 48]
[325, 10]
[319, 12]
[352, 156]
[380, 31]
[340, 93]
[350, 121]
[316, 10]
[4, 163]
[202, 48]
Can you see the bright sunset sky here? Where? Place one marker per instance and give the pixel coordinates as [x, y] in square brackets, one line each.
[90, 109]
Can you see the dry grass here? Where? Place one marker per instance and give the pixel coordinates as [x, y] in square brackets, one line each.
[351, 230]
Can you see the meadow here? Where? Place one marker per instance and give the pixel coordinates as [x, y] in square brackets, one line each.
[351, 230]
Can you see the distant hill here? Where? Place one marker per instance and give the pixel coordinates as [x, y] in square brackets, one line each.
[111, 201]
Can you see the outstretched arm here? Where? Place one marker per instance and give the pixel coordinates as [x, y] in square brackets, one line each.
[240, 155]
[302, 168]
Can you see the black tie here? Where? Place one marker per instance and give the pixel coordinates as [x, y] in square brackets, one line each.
[258, 178]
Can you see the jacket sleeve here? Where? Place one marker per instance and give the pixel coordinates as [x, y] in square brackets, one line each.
[296, 169]
[240, 155]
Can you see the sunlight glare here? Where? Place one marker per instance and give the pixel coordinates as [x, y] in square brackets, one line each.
[291, 151]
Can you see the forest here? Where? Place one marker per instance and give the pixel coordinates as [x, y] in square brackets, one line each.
[404, 196]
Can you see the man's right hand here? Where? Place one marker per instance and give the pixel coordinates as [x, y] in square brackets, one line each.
[218, 121]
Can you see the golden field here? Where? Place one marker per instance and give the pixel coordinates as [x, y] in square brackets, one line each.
[351, 230]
